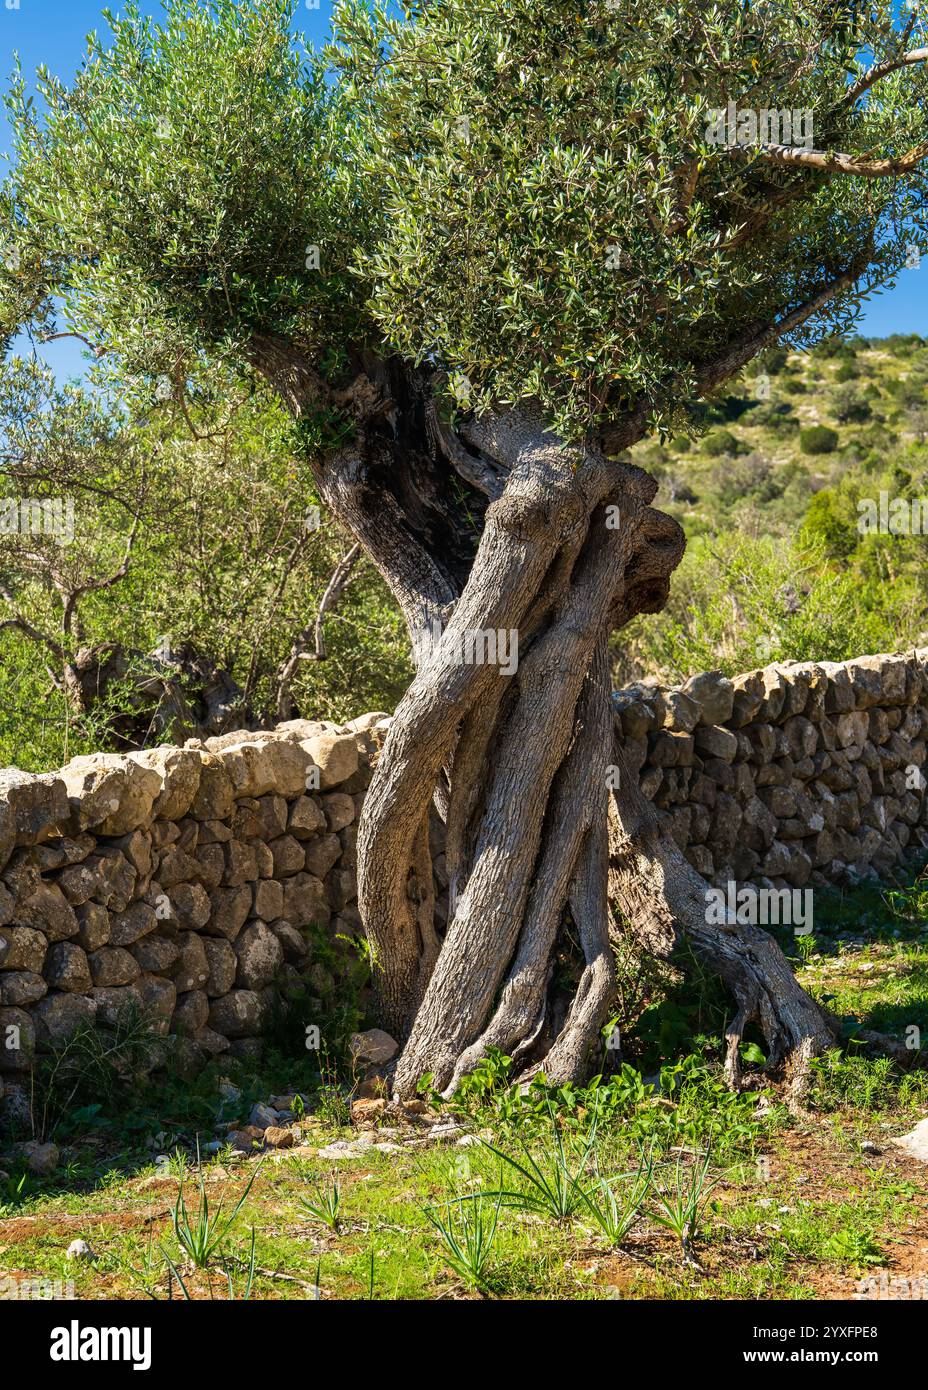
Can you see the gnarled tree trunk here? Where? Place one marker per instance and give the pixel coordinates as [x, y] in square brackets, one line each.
[493, 529]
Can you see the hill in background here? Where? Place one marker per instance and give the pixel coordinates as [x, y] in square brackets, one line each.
[777, 495]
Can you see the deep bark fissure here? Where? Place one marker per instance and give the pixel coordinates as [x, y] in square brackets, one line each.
[570, 869]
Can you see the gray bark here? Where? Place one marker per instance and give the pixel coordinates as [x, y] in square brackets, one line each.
[498, 526]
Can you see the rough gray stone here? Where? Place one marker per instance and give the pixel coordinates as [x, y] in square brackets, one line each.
[22, 948]
[113, 965]
[306, 818]
[373, 1047]
[222, 962]
[191, 1013]
[239, 1014]
[260, 956]
[37, 804]
[66, 968]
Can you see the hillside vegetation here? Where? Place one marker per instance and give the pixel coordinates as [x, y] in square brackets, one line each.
[773, 493]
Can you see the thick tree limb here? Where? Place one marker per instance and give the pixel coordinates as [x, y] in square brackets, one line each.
[836, 162]
[664, 901]
[743, 350]
[512, 560]
[632, 427]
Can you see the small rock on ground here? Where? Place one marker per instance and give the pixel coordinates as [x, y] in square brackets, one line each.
[40, 1158]
[262, 1116]
[277, 1138]
[373, 1047]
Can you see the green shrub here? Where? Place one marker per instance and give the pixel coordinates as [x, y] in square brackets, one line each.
[903, 344]
[772, 415]
[719, 442]
[914, 391]
[818, 439]
[848, 406]
[877, 436]
[830, 522]
[752, 477]
[741, 602]
[773, 360]
[833, 346]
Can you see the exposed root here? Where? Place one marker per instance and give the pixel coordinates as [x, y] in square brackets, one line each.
[910, 1059]
[664, 901]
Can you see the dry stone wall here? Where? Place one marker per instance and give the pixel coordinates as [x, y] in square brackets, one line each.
[796, 774]
[184, 883]
[191, 883]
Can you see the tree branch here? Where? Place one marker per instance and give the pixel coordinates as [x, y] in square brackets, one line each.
[631, 427]
[880, 70]
[742, 350]
[53, 337]
[314, 632]
[94, 586]
[834, 161]
[22, 625]
[478, 470]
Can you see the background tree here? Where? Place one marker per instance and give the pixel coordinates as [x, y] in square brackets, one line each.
[165, 572]
[478, 253]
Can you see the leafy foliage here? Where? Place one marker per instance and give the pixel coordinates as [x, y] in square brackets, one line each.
[525, 195]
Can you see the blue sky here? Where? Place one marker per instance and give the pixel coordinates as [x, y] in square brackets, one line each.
[53, 31]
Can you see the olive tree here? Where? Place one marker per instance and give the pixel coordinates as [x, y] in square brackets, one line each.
[480, 251]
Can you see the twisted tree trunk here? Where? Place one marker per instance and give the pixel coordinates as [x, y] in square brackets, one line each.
[495, 538]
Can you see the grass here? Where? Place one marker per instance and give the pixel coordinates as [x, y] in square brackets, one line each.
[468, 1232]
[554, 1183]
[615, 1206]
[324, 1204]
[753, 1235]
[652, 1182]
[681, 1202]
[203, 1235]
